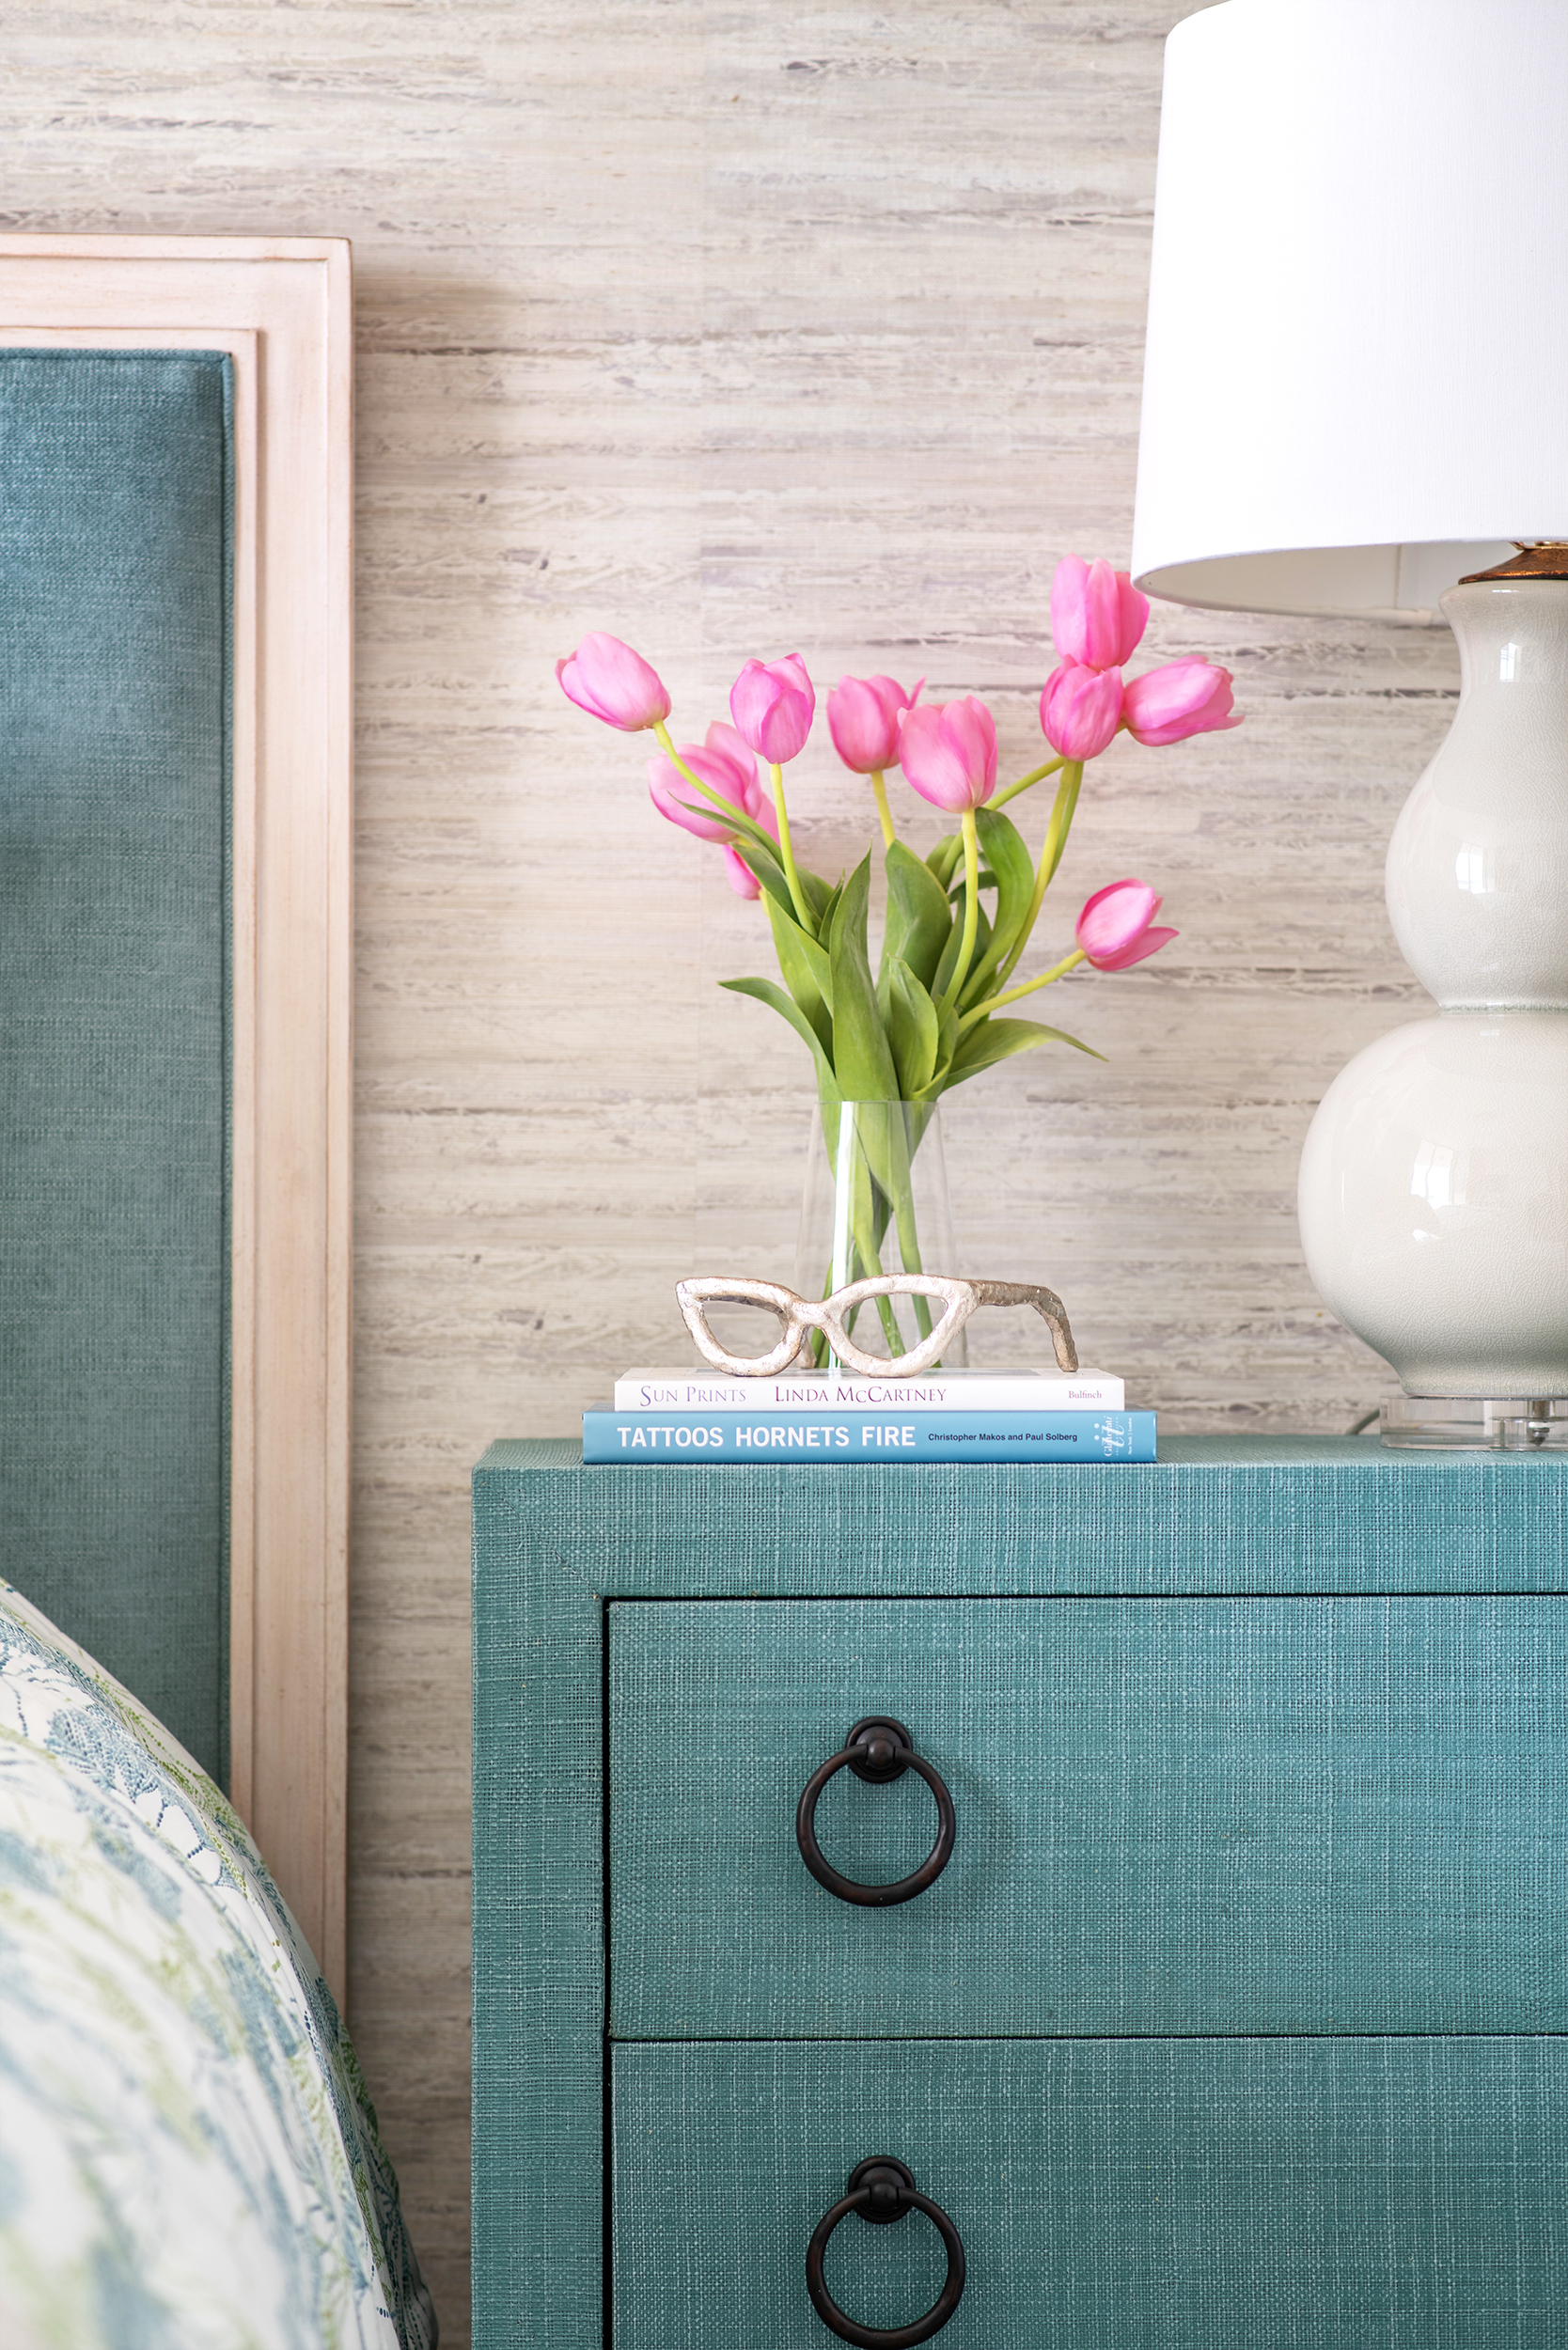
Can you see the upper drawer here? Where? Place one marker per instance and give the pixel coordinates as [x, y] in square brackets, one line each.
[1171, 1817]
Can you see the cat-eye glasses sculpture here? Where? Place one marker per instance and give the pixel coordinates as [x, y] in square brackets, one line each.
[833, 1316]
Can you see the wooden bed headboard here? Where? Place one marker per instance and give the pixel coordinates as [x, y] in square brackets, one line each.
[175, 876]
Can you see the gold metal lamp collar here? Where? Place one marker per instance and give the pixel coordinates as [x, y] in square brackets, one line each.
[1537, 558]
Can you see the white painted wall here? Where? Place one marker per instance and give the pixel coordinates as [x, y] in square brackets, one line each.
[731, 329]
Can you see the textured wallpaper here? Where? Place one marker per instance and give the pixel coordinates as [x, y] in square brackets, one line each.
[733, 329]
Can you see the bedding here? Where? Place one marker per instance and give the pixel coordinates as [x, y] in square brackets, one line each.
[188, 2156]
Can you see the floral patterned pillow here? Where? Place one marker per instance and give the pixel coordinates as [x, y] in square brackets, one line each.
[187, 2153]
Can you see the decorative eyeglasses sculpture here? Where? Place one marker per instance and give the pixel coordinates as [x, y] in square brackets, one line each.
[833, 1316]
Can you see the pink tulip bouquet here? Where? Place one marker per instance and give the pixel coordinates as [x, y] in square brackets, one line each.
[928, 1019]
[958, 920]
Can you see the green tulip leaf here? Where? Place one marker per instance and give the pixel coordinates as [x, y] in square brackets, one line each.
[773, 882]
[862, 1060]
[946, 858]
[749, 835]
[1003, 846]
[818, 896]
[761, 851]
[919, 918]
[947, 1044]
[914, 1031]
[768, 992]
[949, 963]
[992, 1041]
[808, 973]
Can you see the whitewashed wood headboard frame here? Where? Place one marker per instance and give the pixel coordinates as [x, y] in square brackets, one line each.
[281, 308]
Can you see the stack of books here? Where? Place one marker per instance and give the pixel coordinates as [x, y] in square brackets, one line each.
[1040, 1415]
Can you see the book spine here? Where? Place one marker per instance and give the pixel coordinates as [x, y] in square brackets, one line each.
[1000, 1394]
[886, 1439]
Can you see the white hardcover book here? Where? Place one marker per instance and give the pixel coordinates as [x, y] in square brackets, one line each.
[1050, 1390]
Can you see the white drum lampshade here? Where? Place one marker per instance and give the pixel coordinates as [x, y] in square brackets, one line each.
[1355, 392]
[1356, 380]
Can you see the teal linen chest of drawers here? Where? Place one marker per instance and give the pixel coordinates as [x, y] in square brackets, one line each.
[1229, 2008]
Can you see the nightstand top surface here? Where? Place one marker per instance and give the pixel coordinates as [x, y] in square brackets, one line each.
[1232, 1513]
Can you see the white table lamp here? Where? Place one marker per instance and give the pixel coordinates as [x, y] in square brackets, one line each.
[1356, 395]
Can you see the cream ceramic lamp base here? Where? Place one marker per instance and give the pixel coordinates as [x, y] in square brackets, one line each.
[1434, 1191]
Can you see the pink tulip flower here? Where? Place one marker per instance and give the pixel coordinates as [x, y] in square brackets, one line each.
[743, 881]
[863, 720]
[1097, 615]
[948, 750]
[1114, 927]
[1080, 709]
[611, 682]
[772, 704]
[728, 743]
[1183, 698]
[725, 762]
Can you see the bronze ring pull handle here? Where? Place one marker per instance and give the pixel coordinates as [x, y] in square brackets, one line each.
[881, 2191]
[879, 1751]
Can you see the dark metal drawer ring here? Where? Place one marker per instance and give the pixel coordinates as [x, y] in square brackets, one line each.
[881, 2191]
[879, 1751]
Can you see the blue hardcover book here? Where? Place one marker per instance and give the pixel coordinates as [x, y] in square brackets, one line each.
[885, 1438]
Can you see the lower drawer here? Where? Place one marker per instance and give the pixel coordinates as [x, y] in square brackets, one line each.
[1327, 2194]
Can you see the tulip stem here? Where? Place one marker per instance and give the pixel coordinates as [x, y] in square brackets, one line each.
[786, 854]
[981, 1011]
[971, 907]
[1050, 858]
[661, 735]
[883, 812]
[1026, 783]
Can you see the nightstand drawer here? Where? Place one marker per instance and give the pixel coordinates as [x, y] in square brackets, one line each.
[1370, 2194]
[1185, 1815]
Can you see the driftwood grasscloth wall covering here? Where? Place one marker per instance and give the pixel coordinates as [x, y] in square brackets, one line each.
[734, 330]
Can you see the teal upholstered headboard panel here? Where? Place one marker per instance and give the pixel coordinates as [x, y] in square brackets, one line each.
[116, 499]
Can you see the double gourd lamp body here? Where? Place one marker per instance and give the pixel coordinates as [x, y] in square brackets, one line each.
[1356, 400]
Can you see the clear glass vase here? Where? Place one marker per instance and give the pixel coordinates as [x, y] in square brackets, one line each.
[876, 1201]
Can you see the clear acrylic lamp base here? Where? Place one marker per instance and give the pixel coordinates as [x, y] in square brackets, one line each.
[1430, 1423]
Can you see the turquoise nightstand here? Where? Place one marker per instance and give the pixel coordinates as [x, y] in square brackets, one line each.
[1236, 2018]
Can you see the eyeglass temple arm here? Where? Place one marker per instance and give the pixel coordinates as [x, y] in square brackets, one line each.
[1045, 1303]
